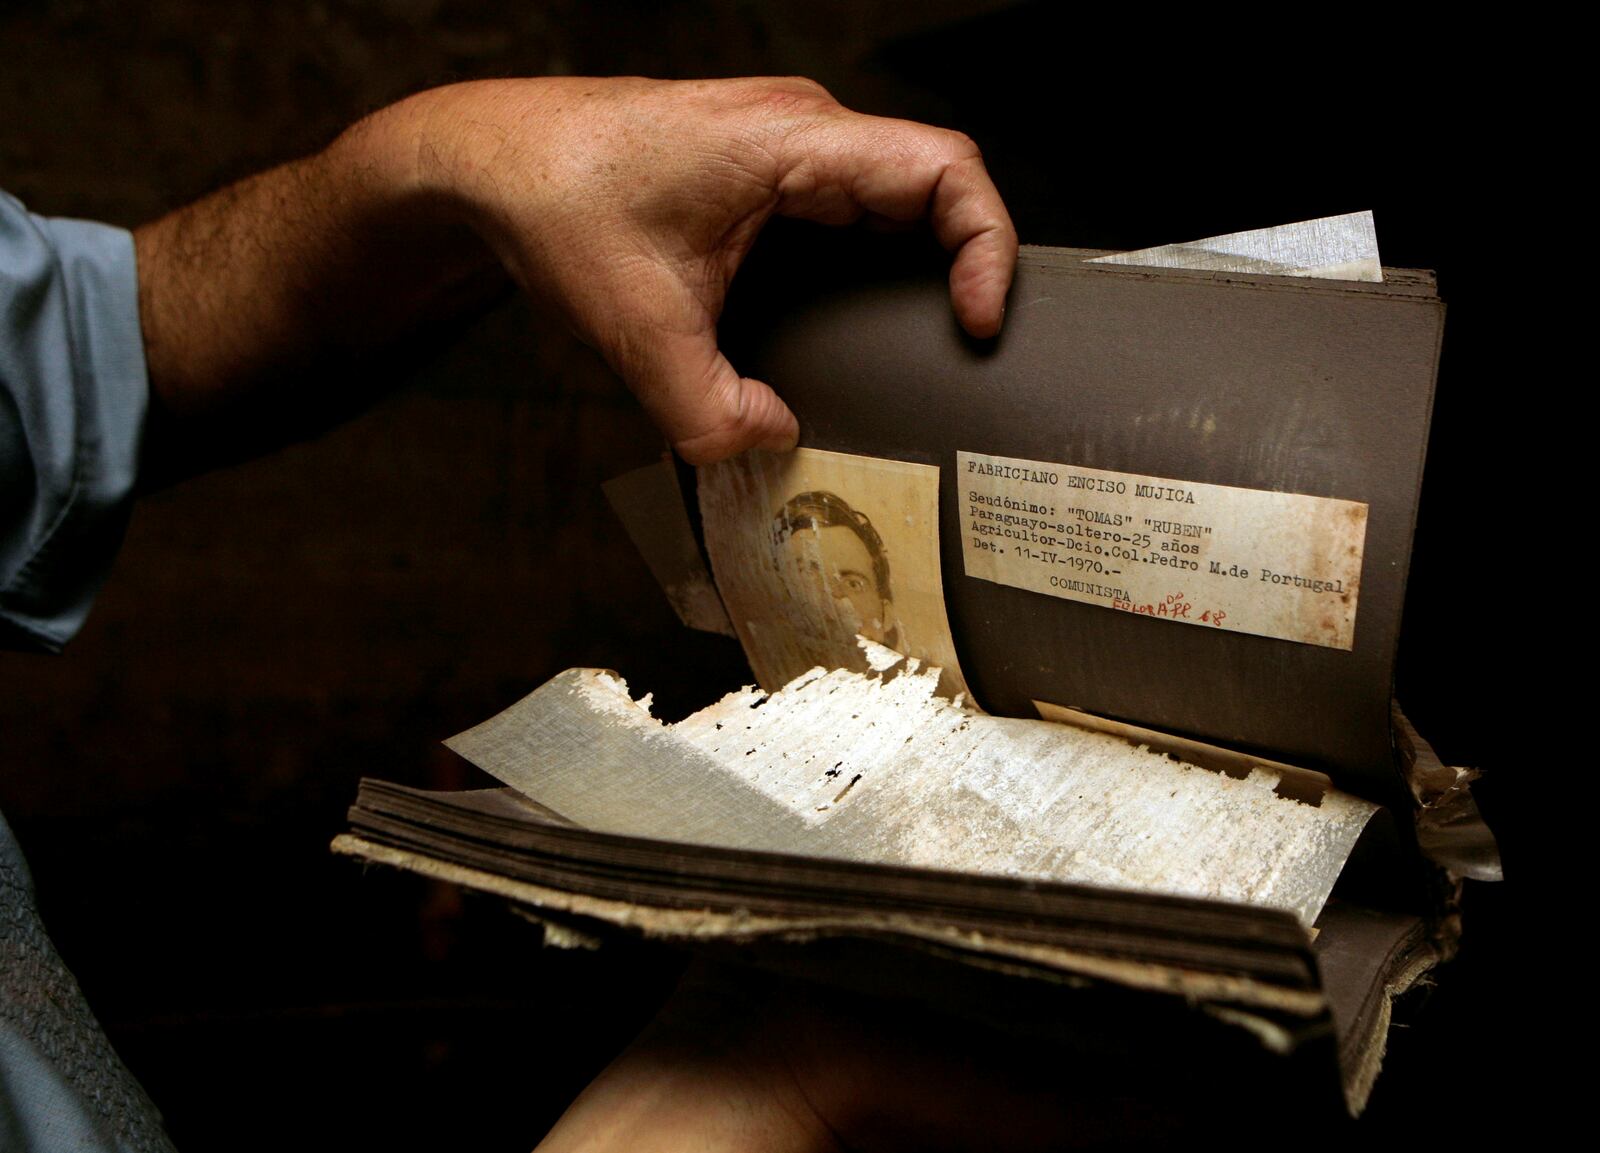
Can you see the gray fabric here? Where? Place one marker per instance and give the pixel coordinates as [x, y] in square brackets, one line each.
[61, 1084]
[73, 395]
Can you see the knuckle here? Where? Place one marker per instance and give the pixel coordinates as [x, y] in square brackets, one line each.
[791, 95]
[961, 143]
[962, 149]
[806, 85]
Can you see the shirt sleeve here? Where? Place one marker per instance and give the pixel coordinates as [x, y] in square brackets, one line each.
[74, 392]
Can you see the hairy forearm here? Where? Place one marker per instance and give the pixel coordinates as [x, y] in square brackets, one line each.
[625, 204]
[276, 299]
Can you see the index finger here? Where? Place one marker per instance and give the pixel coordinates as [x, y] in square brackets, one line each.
[847, 164]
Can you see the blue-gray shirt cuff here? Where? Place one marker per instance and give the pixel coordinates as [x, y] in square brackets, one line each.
[74, 392]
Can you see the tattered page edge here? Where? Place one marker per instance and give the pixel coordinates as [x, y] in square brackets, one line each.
[498, 831]
[1301, 784]
[1361, 1057]
[582, 745]
[687, 926]
[650, 504]
[1451, 830]
[1266, 1010]
[1328, 248]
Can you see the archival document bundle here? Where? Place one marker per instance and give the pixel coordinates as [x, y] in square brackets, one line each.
[1073, 659]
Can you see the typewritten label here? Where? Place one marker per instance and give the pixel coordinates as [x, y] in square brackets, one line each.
[1273, 564]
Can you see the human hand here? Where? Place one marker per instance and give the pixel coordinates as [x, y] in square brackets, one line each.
[739, 1059]
[629, 204]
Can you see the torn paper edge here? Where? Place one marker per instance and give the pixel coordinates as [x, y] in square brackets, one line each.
[937, 787]
[1327, 248]
[982, 950]
[649, 503]
[1305, 785]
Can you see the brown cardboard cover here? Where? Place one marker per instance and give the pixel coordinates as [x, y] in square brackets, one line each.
[1317, 387]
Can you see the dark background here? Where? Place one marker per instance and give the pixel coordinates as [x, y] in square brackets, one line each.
[272, 633]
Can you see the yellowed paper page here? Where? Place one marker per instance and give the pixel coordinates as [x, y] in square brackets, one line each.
[812, 549]
[1274, 564]
[650, 505]
[876, 767]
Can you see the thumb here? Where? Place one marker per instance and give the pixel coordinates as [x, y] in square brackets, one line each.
[705, 407]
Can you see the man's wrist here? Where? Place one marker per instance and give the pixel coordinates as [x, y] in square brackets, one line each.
[403, 179]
